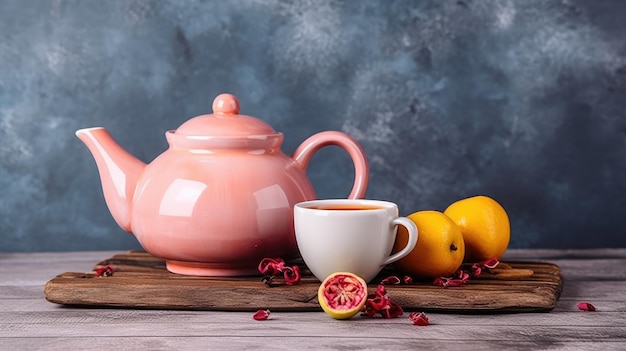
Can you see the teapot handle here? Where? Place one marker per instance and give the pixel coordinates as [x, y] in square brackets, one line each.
[305, 151]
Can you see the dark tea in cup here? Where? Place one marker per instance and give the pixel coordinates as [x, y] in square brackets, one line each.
[349, 207]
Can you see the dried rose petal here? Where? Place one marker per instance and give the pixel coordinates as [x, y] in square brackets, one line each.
[376, 303]
[369, 311]
[478, 267]
[455, 282]
[586, 306]
[379, 302]
[261, 315]
[271, 266]
[463, 276]
[407, 279]
[419, 318]
[439, 281]
[392, 310]
[447, 281]
[491, 263]
[292, 275]
[266, 266]
[391, 280]
[476, 270]
[280, 265]
[395, 310]
[105, 271]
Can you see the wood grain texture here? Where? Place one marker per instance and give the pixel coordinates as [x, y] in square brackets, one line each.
[29, 322]
[141, 281]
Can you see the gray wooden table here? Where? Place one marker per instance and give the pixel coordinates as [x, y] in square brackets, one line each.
[29, 322]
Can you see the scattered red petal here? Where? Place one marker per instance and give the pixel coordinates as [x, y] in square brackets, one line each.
[392, 310]
[455, 282]
[439, 281]
[273, 267]
[476, 270]
[375, 303]
[379, 302]
[391, 280]
[419, 318]
[407, 279]
[490, 263]
[586, 306]
[261, 315]
[478, 267]
[292, 275]
[449, 281]
[462, 276]
[369, 311]
[105, 271]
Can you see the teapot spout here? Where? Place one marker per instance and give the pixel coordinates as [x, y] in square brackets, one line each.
[119, 172]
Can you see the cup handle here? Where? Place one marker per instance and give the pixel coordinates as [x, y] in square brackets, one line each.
[412, 229]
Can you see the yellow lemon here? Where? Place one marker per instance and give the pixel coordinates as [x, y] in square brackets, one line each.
[439, 250]
[485, 227]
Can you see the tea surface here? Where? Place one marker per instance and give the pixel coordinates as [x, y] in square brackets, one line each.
[345, 207]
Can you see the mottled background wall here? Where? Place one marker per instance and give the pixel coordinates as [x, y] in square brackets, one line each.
[524, 101]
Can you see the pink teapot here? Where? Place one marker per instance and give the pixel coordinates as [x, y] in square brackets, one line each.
[221, 197]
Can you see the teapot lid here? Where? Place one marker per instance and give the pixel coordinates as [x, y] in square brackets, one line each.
[225, 121]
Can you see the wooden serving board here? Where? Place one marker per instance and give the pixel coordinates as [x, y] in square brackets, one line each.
[142, 281]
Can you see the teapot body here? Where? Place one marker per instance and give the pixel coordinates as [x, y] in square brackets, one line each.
[219, 214]
[221, 197]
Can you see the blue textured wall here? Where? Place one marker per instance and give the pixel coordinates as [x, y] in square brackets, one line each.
[524, 101]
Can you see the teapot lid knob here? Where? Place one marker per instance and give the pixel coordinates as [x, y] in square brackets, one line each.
[226, 122]
[226, 104]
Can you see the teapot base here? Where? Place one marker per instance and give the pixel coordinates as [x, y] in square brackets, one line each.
[209, 269]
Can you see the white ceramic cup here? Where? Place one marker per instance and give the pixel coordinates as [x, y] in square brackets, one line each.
[349, 235]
